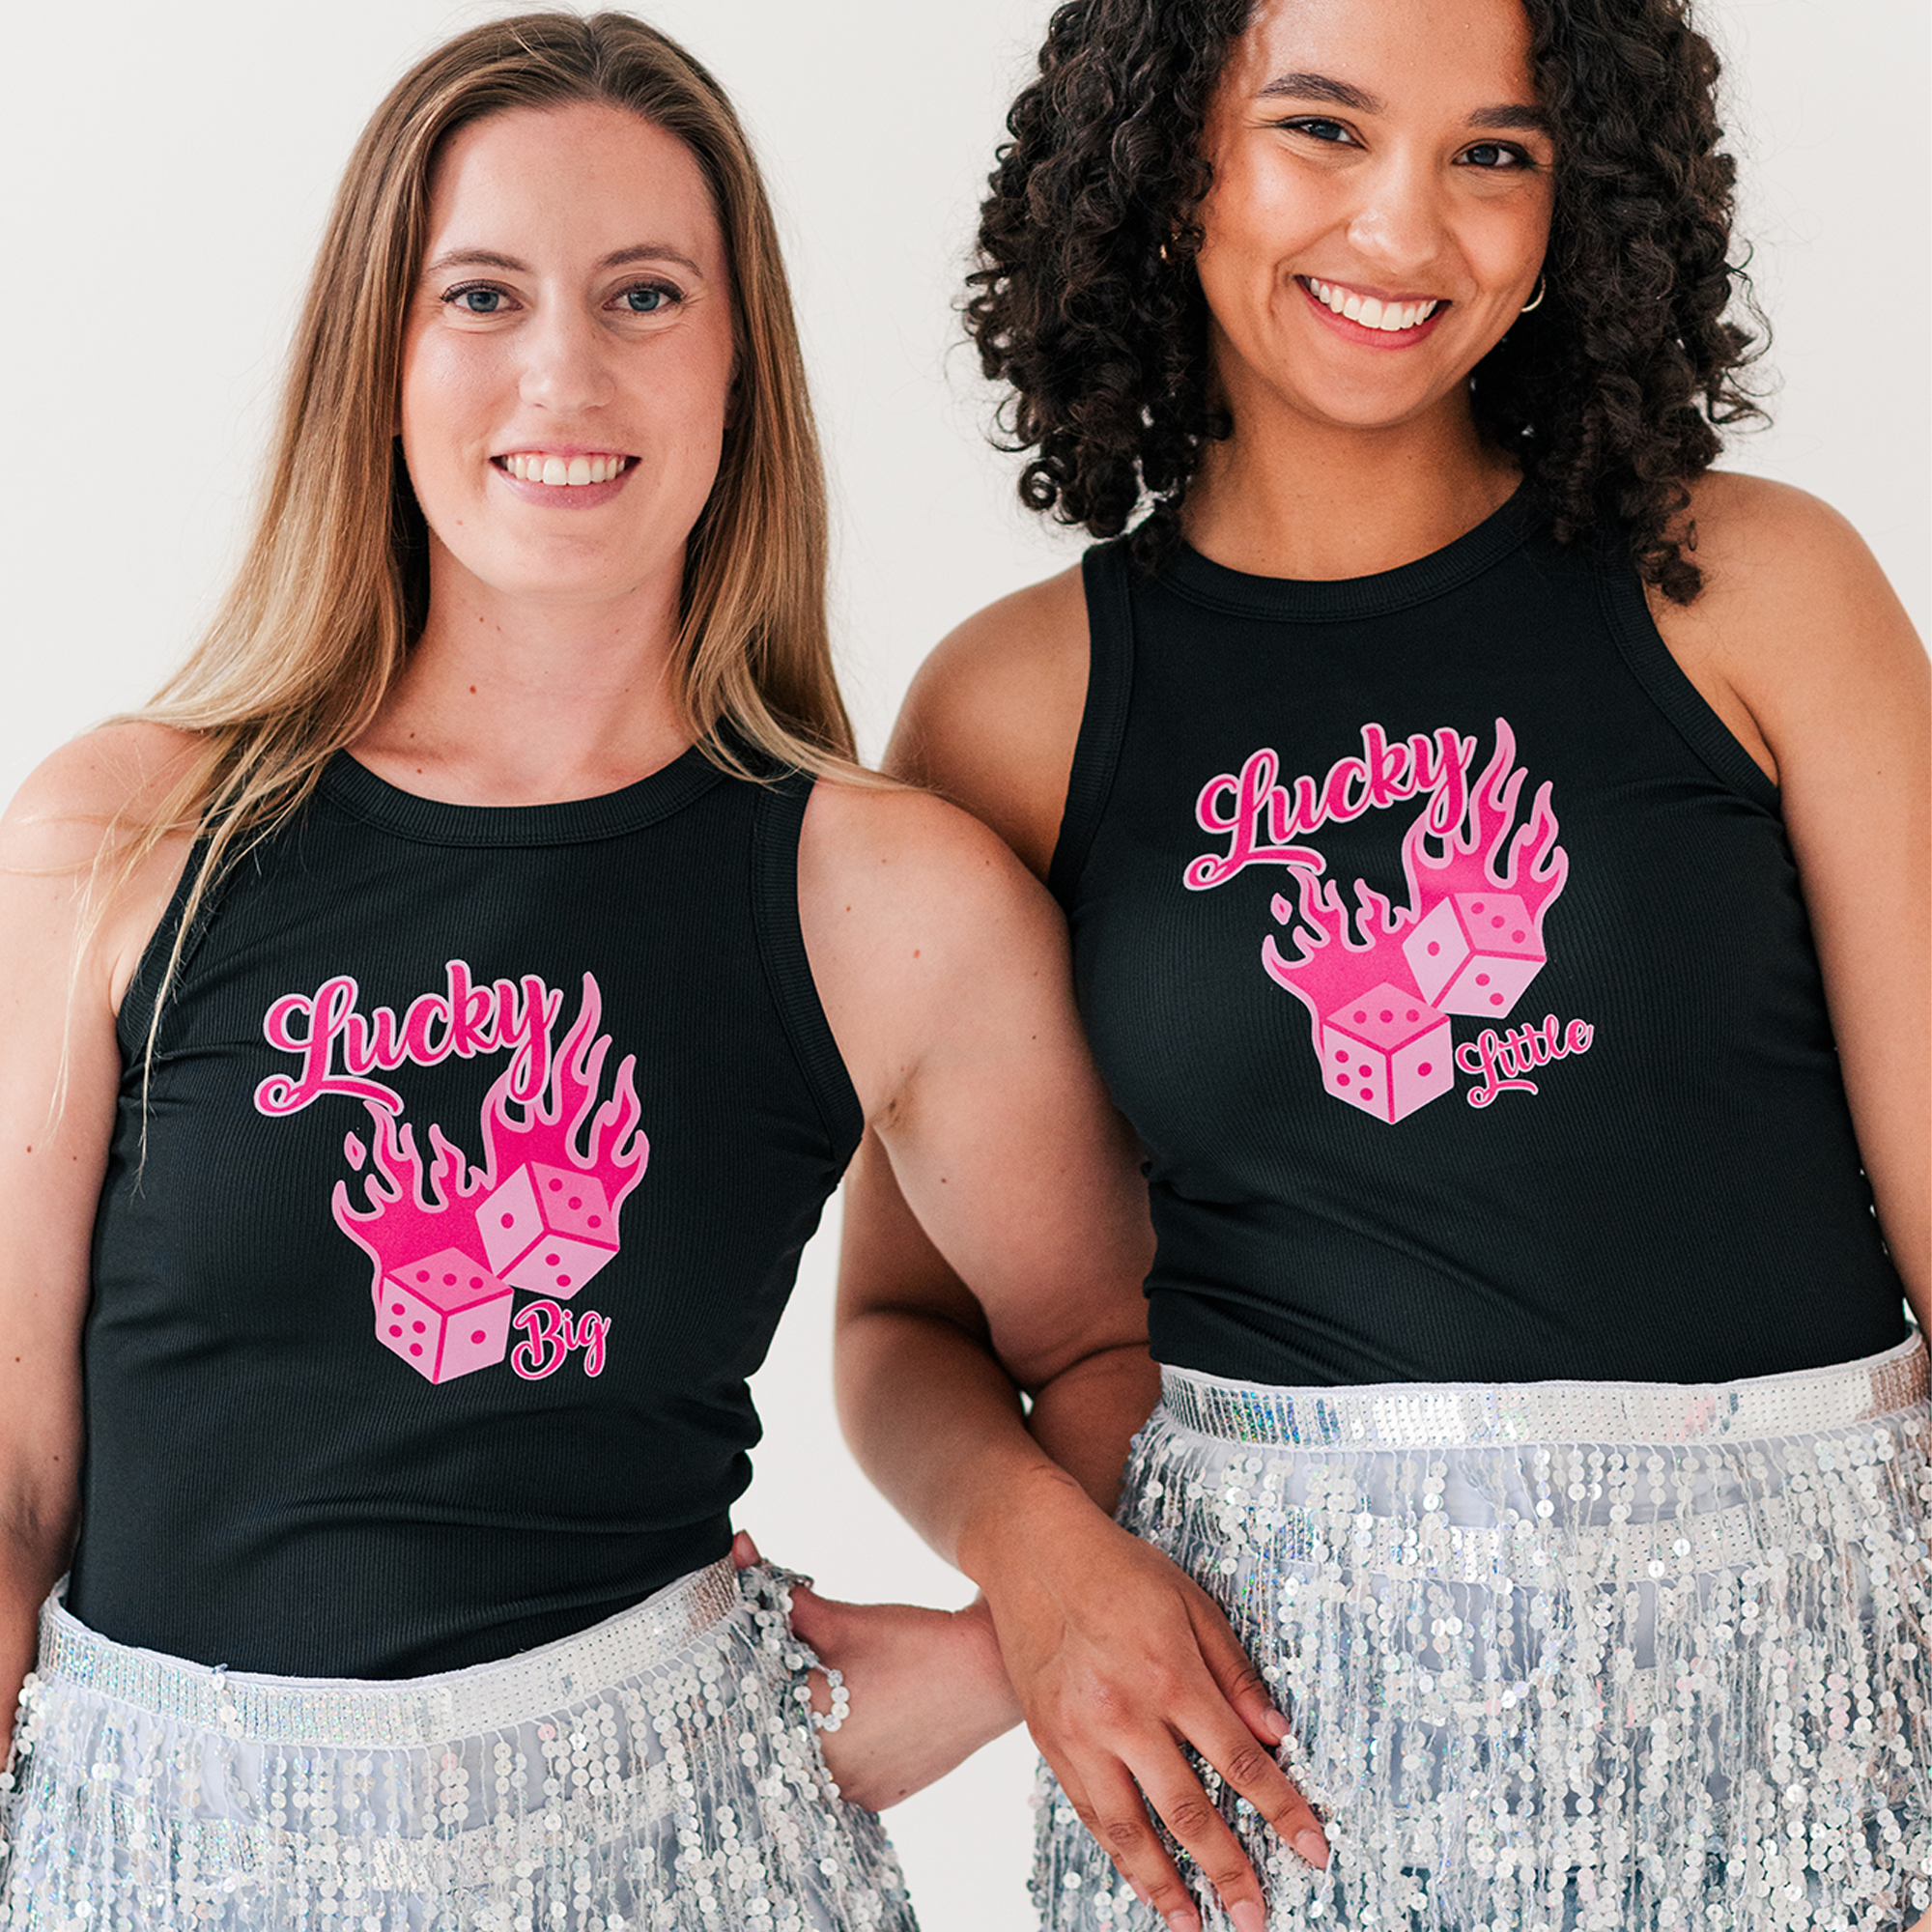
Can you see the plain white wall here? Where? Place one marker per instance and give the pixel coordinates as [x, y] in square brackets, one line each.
[167, 172]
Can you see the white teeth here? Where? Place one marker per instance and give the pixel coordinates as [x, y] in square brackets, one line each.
[1388, 317]
[529, 466]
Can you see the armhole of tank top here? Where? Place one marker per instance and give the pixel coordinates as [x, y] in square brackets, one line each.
[137, 1004]
[1104, 719]
[1665, 682]
[778, 818]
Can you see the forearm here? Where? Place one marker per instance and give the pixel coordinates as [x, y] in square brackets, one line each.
[938, 1426]
[1087, 1416]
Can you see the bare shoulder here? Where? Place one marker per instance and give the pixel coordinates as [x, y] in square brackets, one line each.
[97, 783]
[907, 853]
[993, 716]
[918, 921]
[61, 872]
[1795, 614]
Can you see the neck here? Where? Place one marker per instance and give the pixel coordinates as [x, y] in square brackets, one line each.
[1287, 496]
[509, 702]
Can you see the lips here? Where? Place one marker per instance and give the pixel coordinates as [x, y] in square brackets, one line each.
[563, 470]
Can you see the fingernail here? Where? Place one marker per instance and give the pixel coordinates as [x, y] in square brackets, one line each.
[1312, 1846]
[1274, 1722]
[1181, 1919]
[1248, 1916]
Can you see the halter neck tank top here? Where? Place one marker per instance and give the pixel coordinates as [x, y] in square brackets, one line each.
[479, 1150]
[1447, 954]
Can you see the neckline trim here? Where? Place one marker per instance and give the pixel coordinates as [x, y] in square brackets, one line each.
[1310, 599]
[431, 821]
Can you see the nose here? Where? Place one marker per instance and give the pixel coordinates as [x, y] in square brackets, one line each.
[565, 368]
[1399, 220]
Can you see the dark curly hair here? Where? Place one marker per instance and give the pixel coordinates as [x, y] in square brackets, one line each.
[1607, 394]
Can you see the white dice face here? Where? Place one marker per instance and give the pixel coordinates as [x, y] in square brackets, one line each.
[509, 1223]
[445, 1316]
[528, 1244]
[558, 1266]
[1387, 1053]
[1474, 954]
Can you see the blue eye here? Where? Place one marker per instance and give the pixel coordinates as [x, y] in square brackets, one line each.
[475, 300]
[648, 298]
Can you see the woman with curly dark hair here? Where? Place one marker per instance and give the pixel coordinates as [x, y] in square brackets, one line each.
[1495, 854]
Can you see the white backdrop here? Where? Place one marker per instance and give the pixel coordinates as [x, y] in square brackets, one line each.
[167, 172]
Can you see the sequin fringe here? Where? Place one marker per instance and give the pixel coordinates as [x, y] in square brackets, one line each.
[1543, 1677]
[669, 1781]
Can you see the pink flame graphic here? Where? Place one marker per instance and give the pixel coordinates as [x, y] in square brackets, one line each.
[406, 1215]
[1331, 965]
[1468, 859]
[406, 1205]
[617, 1153]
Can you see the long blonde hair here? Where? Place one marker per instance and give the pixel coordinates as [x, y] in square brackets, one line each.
[333, 587]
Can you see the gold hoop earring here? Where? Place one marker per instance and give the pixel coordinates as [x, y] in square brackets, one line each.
[1541, 290]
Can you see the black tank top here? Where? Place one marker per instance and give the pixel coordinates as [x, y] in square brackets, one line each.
[1447, 953]
[479, 1151]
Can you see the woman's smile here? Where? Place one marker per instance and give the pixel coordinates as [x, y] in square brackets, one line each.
[564, 479]
[1380, 321]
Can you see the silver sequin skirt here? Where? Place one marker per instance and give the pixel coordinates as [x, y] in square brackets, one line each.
[1562, 1655]
[658, 1771]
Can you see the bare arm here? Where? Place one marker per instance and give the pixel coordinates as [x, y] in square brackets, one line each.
[1801, 646]
[943, 969]
[53, 1156]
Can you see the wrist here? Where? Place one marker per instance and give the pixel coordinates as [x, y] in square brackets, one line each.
[1029, 1519]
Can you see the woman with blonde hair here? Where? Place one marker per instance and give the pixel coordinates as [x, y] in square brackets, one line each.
[433, 1027]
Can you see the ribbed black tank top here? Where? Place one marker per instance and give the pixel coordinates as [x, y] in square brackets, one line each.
[479, 1151]
[1447, 954]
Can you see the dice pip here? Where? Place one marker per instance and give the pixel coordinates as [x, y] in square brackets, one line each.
[1387, 1053]
[1474, 952]
[548, 1228]
[445, 1316]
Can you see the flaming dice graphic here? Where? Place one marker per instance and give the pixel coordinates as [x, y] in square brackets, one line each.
[548, 1228]
[446, 1263]
[1387, 1053]
[443, 1317]
[1474, 952]
[1379, 985]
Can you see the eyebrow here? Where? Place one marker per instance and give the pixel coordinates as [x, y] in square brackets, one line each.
[1341, 94]
[618, 258]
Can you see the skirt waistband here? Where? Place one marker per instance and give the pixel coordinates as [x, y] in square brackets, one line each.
[1401, 1416]
[408, 1712]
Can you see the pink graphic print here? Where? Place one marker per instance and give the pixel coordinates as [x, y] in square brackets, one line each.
[552, 1223]
[1379, 985]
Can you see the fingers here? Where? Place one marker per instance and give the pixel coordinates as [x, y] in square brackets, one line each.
[1249, 1769]
[1113, 1807]
[744, 1552]
[1138, 1855]
[1233, 1672]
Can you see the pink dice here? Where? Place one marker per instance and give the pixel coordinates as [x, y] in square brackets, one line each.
[1474, 952]
[1387, 1053]
[548, 1228]
[445, 1316]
